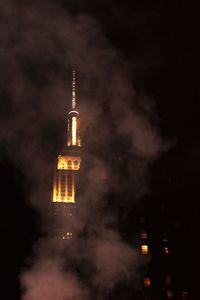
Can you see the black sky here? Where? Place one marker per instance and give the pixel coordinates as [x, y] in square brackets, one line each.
[156, 42]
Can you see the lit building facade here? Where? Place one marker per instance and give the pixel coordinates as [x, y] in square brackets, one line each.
[68, 164]
[160, 277]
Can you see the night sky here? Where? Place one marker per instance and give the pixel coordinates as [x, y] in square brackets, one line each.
[154, 45]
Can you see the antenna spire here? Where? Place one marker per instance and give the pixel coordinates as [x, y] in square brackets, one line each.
[74, 90]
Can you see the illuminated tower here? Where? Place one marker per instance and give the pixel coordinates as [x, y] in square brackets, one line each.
[68, 164]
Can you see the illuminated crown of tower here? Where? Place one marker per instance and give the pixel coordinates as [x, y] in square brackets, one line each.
[64, 188]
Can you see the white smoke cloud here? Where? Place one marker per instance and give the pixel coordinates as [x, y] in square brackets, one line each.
[48, 281]
[113, 260]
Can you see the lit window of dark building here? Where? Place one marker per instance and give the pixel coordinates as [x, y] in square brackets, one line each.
[144, 249]
[166, 250]
[147, 282]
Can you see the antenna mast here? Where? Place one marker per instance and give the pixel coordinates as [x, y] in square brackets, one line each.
[74, 90]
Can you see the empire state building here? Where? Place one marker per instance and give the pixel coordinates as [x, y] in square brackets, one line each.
[68, 165]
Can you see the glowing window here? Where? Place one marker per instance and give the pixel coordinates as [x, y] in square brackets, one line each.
[170, 295]
[165, 250]
[168, 280]
[144, 249]
[143, 234]
[69, 233]
[69, 162]
[147, 282]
